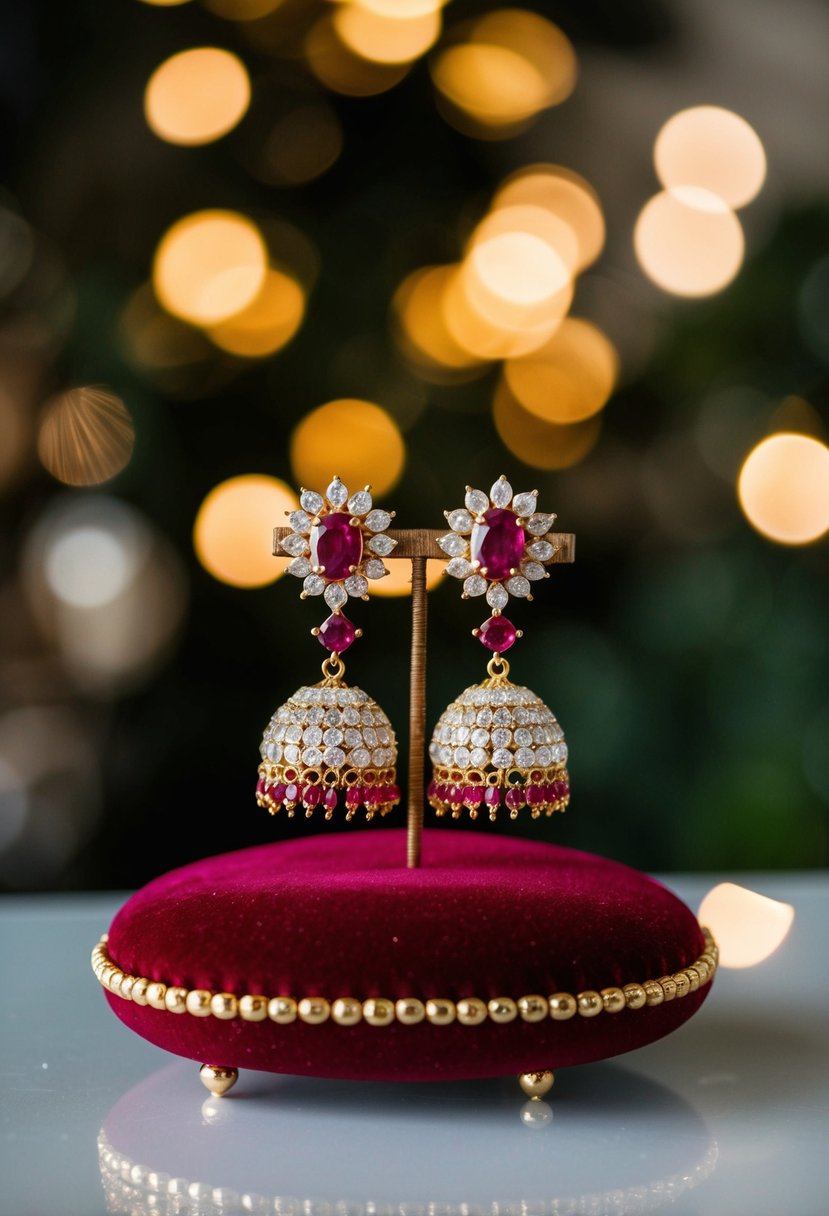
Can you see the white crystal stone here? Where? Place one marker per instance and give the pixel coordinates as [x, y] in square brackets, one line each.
[352, 737]
[484, 716]
[294, 544]
[434, 752]
[501, 737]
[525, 757]
[312, 736]
[540, 523]
[543, 756]
[382, 545]
[453, 544]
[331, 716]
[541, 550]
[479, 737]
[524, 504]
[501, 492]
[460, 734]
[312, 756]
[300, 521]
[334, 757]
[459, 567]
[370, 736]
[374, 568]
[476, 501]
[356, 585]
[518, 586]
[460, 521]
[351, 716]
[523, 737]
[311, 501]
[366, 716]
[291, 753]
[476, 584]
[337, 493]
[360, 503]
[468, 717]
[333, 737]
[461, 756]
[501, 717]
[445, 754]
[497, 596]
[383, 734]
[314, 584]
[299, 567]
[335, 595]
[360, 757]
[533, 571]
[273, 752]
[501, 758]
[314, 716]
[559, 752]
[498, 696]
[378, 521]
[378, 757]
[478, 757]
[293, 734]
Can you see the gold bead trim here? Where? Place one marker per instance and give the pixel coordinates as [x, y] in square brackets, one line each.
[377, 1011]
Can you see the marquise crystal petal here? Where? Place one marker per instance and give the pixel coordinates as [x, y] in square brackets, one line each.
[300, 521]
[337, 493]
[497, 596]
[476, 584]
[524, 504]
[360, 503]
[299, 567]
[357, 585]
[314, 585]
[378, 521]
[541, 550]
[459, 567]
[374, 568]
[295, 544]
[311, 501]
[518, 586]
[382, 545]
[533, 571]
[335, 595]
[501, 493]
[460, 521]
[476, 501]
[453, 544]
[540, 523]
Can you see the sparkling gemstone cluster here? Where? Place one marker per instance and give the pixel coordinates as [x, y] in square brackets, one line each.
[499, 545]
[498, 744]
[328, 743]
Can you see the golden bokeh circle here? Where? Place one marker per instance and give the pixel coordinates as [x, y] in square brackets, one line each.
[783, 488]
[564, 194]
[689, 242]
[356, 439]
[86, 436]
[268, 323]
[197, 96]
[384, 38]
[209, 265]
[570, 378]
[538, 443]
[421, 325]
[713, 148]
[342, 71]
[233, 531]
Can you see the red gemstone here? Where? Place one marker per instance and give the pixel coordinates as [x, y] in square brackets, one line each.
[353, 797]
[331, 799]
[394, 793]
[473, 795]
[535, 795]
[336, 633]
[492, 796]
[498, 543]
[278, 791]
[497, 634]
[292, 792]
[515, 798]
[336, 545]
[313, 795]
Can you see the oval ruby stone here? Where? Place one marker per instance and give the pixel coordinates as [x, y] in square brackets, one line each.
[498, 543]
[336, 633]
[497, 634]
[336, 545]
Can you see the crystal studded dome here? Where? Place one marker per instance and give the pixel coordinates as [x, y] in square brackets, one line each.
[327, 742]
[498, 742]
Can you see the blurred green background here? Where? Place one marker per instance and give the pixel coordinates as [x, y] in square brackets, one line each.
[685, 653]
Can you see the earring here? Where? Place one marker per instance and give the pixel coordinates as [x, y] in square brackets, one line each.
[328, 741]
[498, 741]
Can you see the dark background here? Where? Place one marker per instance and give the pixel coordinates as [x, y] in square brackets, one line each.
[684, 653]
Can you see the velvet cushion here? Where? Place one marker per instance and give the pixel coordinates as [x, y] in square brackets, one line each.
[341, 916]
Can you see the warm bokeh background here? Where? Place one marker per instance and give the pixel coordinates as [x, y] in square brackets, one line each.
[245, 244]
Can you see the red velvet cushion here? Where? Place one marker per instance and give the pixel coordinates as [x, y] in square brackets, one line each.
[340, 915]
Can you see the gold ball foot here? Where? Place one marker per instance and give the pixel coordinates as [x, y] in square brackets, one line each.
[218, 1079]
[536, 1084]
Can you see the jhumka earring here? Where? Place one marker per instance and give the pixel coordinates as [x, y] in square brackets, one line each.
[498, 742]
[329, 742]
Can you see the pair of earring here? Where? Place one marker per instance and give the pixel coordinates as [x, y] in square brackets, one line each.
[496, 744]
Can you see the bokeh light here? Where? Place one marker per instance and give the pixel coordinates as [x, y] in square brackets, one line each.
[747, 927]
[209, 265]
[511, 65]
[233, 532]
[86, 436]
[783, 488]
[541, 444]
[303, 144]
[689, 242]
[489, 328]
[242, 10]
[714, 149]
[564, 194]
[398, 581]
[355, 439]
[422, 331]
[344, 71]
[197, 96]
[386, 37]
[268, 323]
[568, 379]
[166, 3]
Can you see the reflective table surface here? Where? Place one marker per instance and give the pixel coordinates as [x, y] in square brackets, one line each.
[728, 1115]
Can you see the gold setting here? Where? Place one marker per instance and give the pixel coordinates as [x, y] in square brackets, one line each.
[409, 1011]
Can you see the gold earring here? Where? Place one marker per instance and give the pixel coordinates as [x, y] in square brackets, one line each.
[331, 743]
[498, 743]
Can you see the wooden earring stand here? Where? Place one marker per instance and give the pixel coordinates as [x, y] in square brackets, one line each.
[417, 545]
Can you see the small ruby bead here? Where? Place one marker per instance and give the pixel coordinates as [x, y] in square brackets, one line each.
[514, 798]
[292, 793]
[336, 633]
[535, 795]
[498, 543]
[330, 799]
[473, 795]
[492, 796]
[278, 791]
[313, 795]
[497, 634]
[336, 545]
[353, 797]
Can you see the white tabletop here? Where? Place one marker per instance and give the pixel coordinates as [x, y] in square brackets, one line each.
[728, 1115]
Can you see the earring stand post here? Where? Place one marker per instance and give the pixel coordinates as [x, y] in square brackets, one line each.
[417, 545]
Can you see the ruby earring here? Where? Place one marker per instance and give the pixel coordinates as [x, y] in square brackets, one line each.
[330, 744]
[498, 743]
